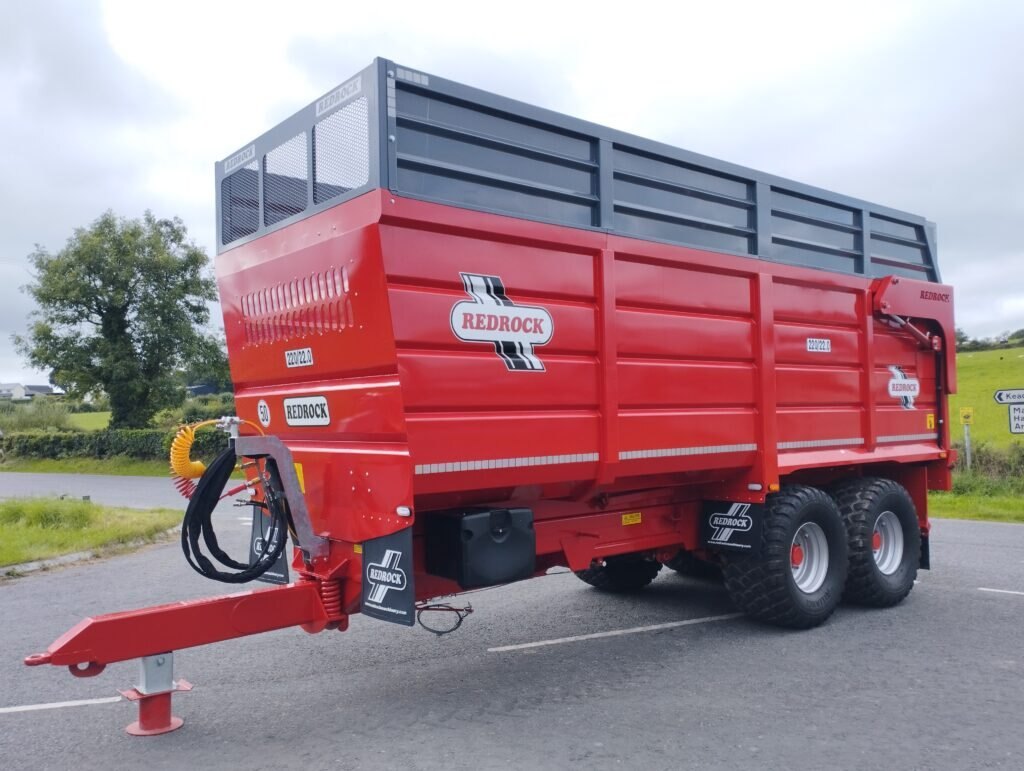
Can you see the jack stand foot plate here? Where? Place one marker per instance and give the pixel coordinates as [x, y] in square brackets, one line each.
[155, 711]
[136, 729]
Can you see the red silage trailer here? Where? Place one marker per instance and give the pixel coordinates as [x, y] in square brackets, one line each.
[472, 340]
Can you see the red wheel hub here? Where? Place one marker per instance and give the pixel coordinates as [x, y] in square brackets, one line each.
[876, 541]
[796, 556]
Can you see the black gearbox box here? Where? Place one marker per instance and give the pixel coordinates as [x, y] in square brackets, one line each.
[481, 547]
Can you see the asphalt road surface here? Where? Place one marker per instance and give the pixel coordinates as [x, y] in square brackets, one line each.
[129, 492]
[937, 682]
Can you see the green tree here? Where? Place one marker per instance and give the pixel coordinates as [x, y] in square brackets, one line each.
[209, 365]
[120, 309]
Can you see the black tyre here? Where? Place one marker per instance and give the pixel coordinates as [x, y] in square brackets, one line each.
[797, 580]
[687, 564]
[627, 573]
[884, 539]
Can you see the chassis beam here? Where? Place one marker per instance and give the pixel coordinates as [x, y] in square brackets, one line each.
[95, 642]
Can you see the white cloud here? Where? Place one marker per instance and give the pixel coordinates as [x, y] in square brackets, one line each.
[128, 105]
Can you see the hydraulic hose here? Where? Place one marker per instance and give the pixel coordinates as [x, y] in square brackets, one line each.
[198, 524]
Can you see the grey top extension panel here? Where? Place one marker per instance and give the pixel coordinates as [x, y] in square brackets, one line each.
[425, 137]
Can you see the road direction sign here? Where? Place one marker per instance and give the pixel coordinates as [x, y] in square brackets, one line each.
[1009, 396]
[1017, 418]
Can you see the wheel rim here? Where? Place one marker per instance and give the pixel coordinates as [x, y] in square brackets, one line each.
[808, 557]
[887, 543]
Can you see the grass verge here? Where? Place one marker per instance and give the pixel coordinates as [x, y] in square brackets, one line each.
[40, 528]
[992, 508]
[131, 467]
[992, 491]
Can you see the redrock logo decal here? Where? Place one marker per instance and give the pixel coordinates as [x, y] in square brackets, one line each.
[385, 575]
[904, 387]
[388, 592]
[307, 411]
[735, 520]
[939, 297]
[491, 317]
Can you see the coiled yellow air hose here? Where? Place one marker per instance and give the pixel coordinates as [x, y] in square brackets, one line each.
[183, 468]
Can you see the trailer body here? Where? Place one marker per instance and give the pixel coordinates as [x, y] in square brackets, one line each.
[483, 339]
[519, 309]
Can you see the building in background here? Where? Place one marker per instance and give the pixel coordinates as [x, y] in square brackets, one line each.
[20, 393]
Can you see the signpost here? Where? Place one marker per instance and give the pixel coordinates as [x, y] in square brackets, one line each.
[1009, 396]
[1014, 399]
[967, 420]
[1017, 418]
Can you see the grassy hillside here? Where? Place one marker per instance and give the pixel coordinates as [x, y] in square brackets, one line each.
[980, 375]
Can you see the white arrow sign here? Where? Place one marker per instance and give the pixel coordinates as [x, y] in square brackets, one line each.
[1010, 396]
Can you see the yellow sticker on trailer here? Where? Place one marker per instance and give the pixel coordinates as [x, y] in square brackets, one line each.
[930, 420]
[301, 476]
[633, 518]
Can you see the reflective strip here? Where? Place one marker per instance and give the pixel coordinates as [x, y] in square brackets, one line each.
[820, 443]
[673, 452]
[498, 463]
[908, 438]
[668, 452]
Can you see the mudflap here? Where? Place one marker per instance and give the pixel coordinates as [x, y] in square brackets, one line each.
[278, 572]
[388, 591]
[732, 527]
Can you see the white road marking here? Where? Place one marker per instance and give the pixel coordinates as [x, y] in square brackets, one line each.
[614, 633]
[60, 704]
[999, 591]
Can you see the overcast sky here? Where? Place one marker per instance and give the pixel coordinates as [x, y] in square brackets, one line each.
[915, 105]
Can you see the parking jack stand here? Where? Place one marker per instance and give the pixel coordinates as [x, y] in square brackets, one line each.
[153, 693]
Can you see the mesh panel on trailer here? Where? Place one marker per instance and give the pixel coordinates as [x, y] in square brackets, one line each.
[239, 207]
[815, 232]
[427, 138]
[285, 174]
[341, 151]
[898, 247]
[658, 197]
